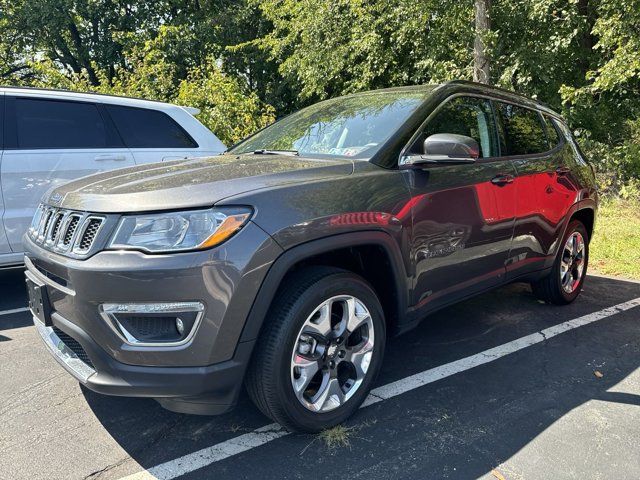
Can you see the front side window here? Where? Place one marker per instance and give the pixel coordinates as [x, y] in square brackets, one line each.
[524, 132]
[354, 126]
[468, 116]
[145, 128]
[58, 124]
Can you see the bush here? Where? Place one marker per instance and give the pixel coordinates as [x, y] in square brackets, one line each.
[226, 109]
[617, 165]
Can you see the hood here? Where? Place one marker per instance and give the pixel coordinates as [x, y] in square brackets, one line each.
[189, 183]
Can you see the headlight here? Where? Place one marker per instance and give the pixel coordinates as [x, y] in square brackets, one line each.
[178, 231]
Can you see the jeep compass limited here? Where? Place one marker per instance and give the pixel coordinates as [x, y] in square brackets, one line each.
[285, 264]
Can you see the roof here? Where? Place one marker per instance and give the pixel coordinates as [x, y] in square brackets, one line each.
[94, 97]
[470, 87]
[499, 92]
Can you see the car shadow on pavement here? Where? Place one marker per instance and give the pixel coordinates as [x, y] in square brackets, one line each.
[462, 426]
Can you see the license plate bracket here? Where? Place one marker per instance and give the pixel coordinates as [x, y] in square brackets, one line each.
[39, 303]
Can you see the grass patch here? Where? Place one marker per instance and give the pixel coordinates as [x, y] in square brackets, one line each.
[336, 437]
[615, 247]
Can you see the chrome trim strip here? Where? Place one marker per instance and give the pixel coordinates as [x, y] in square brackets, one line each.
[82, 230]
[35, 275]
[35, 221]
[44, 226]
[108, 311]
[57, 217]
[59, 244]
[62, 353]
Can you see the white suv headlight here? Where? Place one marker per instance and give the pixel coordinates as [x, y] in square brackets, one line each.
[178, 231]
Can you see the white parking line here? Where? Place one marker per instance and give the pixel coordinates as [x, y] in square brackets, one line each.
[15, 310]
[193, 461]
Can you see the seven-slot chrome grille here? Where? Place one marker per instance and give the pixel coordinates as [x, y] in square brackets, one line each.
[65, 231]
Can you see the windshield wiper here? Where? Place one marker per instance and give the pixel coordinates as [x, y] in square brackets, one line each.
[264, 151]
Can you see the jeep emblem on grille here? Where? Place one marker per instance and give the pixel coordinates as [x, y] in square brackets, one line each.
[55, 199]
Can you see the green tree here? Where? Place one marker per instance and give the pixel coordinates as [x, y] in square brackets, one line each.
[227, 109]
[327, 48]
[541, 45]
[80, 36]
[606, 108]
[580, 56]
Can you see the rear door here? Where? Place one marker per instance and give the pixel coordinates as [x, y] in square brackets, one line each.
[545, 190]
[152, 135]
[4, 243]
[49, 141]
[463, 214]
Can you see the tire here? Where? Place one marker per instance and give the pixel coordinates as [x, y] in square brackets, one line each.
[550, 288]
[310, 295]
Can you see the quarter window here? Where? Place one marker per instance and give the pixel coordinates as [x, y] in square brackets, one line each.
[552, 132]
[144, 128]
[472, 117]
[523, 130]
[58, 124]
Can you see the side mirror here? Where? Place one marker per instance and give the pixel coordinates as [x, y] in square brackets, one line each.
[447, 148]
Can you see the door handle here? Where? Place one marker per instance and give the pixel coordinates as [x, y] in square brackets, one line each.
[502, 179]
[562, 170]
[107, 157]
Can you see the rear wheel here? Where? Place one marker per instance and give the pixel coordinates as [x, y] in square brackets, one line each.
[564, 282]
[319, 351]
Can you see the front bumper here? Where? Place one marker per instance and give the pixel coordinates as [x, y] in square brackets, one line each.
[201, 390]
[202, 376]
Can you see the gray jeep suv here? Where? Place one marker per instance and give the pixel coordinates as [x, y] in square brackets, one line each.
[285, 263]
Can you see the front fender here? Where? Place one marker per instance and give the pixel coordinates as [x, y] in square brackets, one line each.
[291, 257]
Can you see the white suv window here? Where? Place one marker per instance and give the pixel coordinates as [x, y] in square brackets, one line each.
[59, 124]
[144, 128]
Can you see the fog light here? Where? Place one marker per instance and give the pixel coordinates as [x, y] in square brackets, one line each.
[154, 324]
[179, 325]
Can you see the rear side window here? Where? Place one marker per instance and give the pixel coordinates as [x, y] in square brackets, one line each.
[523, 130]
[58, 124]
[472, 117]
[144, 128]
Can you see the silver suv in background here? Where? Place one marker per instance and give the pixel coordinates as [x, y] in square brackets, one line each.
[49, 137]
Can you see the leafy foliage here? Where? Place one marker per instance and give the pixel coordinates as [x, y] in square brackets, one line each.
[226, 109]
[328, 48]
[241, 61]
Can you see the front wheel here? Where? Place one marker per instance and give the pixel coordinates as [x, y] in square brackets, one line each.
[320, 350]
[564, 282]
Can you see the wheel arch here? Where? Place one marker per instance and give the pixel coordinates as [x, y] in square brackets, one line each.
[587, 216]
[321, 252]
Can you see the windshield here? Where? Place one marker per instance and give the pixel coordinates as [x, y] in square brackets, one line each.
[353, 126]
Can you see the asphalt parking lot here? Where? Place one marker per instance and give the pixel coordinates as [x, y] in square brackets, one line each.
[564, 403]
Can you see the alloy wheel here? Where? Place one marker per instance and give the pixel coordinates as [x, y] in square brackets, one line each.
[332, 353]
[572, 262]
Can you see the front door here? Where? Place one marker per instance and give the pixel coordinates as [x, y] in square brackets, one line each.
[463, 214]
[47, 143]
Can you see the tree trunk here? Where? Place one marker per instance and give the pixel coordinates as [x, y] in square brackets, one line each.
[82, 54]
[481, 60]
[586, 38]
